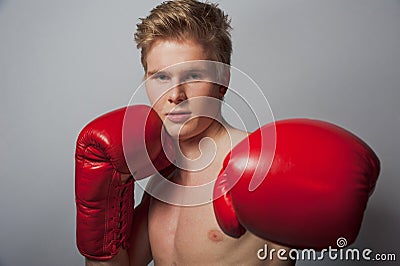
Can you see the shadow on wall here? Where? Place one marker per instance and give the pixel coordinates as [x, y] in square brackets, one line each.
[378, 233]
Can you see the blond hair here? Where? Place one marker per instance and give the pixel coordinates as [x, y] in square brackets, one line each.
[179, 20]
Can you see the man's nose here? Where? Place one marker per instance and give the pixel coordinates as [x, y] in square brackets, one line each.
[177, 94]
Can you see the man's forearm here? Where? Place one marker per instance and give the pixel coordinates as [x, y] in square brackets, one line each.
[121, 259]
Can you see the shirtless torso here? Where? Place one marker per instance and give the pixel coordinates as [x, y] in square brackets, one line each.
[190, 235]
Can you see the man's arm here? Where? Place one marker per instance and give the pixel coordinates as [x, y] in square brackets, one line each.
[121, 259]
[104, 188]
[140, 251]
[305, 190]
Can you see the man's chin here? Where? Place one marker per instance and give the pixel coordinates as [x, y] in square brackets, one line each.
[175, 130]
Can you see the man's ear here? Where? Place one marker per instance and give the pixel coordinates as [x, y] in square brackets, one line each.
[225, 79]
[222, 91]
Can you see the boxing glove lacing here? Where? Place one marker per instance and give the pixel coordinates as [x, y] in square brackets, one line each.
[119, 221]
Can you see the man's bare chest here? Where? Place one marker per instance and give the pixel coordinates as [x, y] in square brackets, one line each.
[186, 231]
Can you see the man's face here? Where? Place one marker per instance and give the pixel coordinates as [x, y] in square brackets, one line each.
[181, 89]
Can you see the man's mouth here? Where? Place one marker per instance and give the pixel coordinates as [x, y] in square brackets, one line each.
[178, 116]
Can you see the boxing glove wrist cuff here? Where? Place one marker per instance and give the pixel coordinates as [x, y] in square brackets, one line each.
[121, 212]
[114, 218]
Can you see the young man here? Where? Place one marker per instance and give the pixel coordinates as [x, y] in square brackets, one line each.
[177, 32]
[174, 33]
[296, 205]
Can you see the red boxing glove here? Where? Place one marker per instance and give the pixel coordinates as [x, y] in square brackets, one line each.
[104, 200]
[315, 191]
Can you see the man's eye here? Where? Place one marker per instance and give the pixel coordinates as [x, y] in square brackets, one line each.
[161, 77]
[193, 76]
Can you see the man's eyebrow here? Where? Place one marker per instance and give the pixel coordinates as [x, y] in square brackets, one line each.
[151, 73]
[196, 69]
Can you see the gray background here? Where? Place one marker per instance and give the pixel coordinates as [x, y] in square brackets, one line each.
[62, 63]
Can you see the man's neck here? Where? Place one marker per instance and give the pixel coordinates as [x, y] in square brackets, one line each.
[201, 158]
[204, 146]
